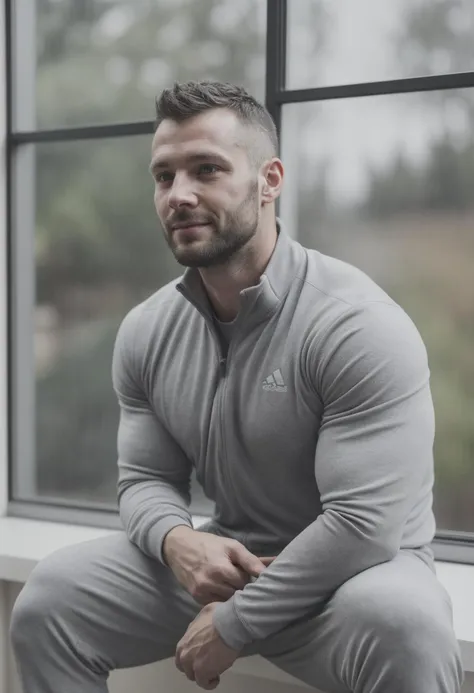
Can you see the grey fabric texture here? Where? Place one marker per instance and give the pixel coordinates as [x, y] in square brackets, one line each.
[314, 436]
[104, 605]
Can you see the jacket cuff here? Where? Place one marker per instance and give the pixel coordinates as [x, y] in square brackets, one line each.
[157, 534]
[232, 630]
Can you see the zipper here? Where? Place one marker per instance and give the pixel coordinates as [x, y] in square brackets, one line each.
[223, 362]
[221, 390]
[223, 366]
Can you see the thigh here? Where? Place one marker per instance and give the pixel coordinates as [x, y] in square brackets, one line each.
[383, 603]
[119, 606]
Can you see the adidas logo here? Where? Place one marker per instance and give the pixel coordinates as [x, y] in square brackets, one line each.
[275, 382]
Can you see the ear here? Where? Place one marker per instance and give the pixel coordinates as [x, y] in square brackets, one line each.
[272, 172]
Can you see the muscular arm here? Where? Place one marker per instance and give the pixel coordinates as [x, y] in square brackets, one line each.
[154, 473]
[373, 467]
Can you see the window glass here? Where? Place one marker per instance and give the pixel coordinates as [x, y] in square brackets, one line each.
[385, 183]
[347, 42]
[99, 250]
[103, 61]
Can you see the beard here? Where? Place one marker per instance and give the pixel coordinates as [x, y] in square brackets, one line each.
[239, 228]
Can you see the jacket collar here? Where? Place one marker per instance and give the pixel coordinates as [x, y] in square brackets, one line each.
[286, 264]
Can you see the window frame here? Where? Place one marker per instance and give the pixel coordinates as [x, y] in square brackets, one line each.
[448, 545]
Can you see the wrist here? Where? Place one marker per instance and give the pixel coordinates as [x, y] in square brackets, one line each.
[173, 540]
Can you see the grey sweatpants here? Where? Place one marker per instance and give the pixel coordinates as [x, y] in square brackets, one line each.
[103, 605]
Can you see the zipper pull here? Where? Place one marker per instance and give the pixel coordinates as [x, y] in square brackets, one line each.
[223, 364]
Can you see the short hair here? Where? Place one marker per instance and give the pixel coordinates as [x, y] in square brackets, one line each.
[188, 99]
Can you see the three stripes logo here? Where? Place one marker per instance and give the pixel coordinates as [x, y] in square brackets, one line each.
[275, 382]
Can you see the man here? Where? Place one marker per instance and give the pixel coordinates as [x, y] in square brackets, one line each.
[299, 391]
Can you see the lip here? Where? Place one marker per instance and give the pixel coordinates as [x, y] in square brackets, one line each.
[195, 225]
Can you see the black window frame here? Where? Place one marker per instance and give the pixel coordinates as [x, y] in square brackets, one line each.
[448, 545]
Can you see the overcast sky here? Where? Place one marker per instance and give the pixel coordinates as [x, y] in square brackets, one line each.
[361, 47]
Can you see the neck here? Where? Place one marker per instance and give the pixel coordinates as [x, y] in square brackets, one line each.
[223, 283]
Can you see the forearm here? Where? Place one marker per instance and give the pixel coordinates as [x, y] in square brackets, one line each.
[149, 510]
[301, 580]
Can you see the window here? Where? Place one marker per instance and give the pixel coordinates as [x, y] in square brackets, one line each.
[385, 183]
[375, 107]
[346, 42]
[86, 243]
[377, 127]
[103, 61]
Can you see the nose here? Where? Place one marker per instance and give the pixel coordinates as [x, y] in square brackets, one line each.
[181, 193]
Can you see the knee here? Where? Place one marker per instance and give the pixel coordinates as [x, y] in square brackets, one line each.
[43, 599]
[400, 626]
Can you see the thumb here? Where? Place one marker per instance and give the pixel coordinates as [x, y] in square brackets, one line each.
[246, 560]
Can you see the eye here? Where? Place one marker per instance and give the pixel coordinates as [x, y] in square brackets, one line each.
[163, 177]
[208, 169]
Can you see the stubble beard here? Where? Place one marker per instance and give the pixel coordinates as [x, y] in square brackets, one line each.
[240, 227]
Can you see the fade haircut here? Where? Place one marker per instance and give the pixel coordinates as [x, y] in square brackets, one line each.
[188, 99]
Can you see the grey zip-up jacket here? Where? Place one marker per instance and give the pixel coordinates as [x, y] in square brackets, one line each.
[313, 436]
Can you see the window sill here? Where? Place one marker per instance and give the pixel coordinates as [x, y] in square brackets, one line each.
[24, 542]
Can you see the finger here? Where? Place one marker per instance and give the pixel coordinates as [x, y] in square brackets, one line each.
[188, 670]
[207, 684]
[182, 666]
[222, 590]
[210, 598]
[177, 657]
[235, 576]
[177, 661]
[246, 560]
[267, 560]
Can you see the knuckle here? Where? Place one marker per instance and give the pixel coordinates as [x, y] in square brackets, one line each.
[200, 580]
[196, 592]
[204, 585]
[216, 571]
[200, 593]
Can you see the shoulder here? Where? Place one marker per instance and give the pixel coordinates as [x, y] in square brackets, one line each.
[341, 282]
[140, 326]
[357, 331]
[370, 347]
[139, 323]
[346, 302]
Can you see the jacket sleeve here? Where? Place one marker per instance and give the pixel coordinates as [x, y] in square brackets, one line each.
[154, 473]
[373, 467]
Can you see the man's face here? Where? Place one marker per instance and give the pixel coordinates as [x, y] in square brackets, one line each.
[206, 190]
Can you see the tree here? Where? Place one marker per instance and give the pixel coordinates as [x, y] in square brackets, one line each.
[436, 37]
[99, 246]
[429, 208]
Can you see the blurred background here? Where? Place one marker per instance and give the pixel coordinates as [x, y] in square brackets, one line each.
[384, 182]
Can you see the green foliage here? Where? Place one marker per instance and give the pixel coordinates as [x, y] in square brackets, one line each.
[442, 183]
[99, 247]
[435, 31]
[104, 61]
[77, 418]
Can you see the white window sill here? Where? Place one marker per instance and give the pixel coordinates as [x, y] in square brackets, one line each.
[24, 542]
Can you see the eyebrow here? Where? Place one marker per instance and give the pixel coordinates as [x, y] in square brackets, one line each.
[157, 164]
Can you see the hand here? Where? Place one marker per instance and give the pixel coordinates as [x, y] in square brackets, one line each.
[211, 568]
[201, 653]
